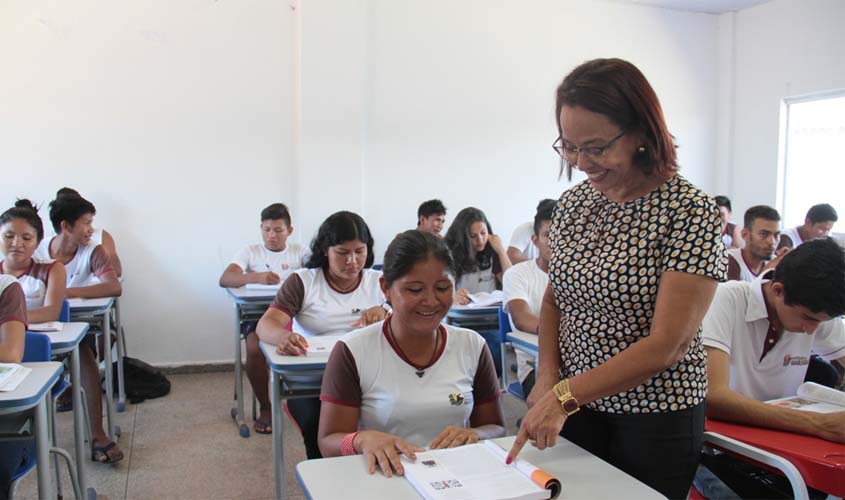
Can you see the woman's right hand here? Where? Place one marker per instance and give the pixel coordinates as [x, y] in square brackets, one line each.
[292, 344]
[462, 297]
[384, 449]
[268, 278]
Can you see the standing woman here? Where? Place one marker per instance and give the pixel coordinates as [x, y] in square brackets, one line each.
[636, 256]
[480, 257]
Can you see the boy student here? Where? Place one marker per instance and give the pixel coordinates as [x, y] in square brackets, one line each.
[72, 217]
[268, 263]
[761, 233]
[431, 216]
[730, 232]
[817, 224]
[759, 335]
[521, 247]
[524, 285]
[100, 236]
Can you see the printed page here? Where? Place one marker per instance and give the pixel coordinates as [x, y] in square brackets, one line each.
[803, 404]
[13, 376]
[486, 299]
[469, 472]
[822, 394]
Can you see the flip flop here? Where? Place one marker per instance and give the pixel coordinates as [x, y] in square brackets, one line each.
[63, 405]
[263, 426]
[99, 452]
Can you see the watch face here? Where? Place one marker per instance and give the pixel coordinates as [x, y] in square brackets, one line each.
[570, 405]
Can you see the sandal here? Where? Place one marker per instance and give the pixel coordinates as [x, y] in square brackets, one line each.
[64, 404]
[263, 426]
[101, 453]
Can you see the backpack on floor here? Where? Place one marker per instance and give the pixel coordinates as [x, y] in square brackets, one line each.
[141, 380]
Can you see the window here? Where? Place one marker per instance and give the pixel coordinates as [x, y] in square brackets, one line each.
[812, 156]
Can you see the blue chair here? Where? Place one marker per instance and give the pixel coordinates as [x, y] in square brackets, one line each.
[377, 267]
[514, 388]
[64, 316]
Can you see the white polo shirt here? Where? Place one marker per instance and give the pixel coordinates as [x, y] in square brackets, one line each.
[524, 281]
[258, 259]
[521, 239]
[794, 237]
[745, 272]
[737, 323]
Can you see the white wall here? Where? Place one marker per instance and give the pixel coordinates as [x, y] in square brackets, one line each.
[176, 119]
[783, 48]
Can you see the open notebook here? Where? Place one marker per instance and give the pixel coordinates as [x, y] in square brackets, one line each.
[813, 397]
[11, 376]
[477, 471]
[486, 299]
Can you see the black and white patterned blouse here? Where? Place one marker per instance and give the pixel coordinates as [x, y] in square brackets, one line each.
[605, 269]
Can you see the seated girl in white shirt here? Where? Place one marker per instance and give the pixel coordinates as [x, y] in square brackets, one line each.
[410, 381]
[336, 293]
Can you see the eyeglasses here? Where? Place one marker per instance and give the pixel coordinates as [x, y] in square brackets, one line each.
[570, 153]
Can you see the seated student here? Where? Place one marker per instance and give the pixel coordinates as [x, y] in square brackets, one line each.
[480, 257]
[431, 216]
[524, 285]
[43, 283]
[731, 236]
[385, 386]
[268, 264]
[336, 293]
[100, 237]
[12, 334]
[758, 336]
[72, 218]
[521, 247]
[817, 224]
[761, 233]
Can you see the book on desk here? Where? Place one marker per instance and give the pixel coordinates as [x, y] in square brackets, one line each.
[813, 397]
[11, 376]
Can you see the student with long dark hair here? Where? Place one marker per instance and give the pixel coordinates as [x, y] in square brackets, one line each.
[335, 293]
[480, 257]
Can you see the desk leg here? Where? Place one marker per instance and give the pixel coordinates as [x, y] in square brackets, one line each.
[109, 400]
[121, 351]
[42, 449]
[78, 422]
[238, 411]
[278, 434]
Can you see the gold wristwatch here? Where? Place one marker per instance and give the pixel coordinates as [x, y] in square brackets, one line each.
[567, 401]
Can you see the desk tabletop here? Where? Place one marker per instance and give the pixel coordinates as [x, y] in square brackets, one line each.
[282, 363]
[821, 462]
[468, 310]
[242, 295]
[32, 388]
[526, 341]
[90, 305]
[581, 474]
[65, 340]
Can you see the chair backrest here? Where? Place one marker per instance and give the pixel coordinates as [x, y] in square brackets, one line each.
[377, 267]
[504, 324]
[64, 316]
[36, 347]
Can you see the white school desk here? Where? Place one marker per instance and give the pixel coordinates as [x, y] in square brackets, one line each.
[526, 342]
[249, 306]
[100, 310]
[581, 474]
[286, 382]
[32, 393]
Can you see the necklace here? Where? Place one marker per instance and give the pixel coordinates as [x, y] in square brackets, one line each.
[345, 289]
[419, 371]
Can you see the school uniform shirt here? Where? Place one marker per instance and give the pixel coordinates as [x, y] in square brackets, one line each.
[90, 261]
[481, 280]
[258, 259]
[790, 238]
[524, 281]
[368, 371]
[12, 300]
[521, 239]
[319, 309]
[738, 270]
[34, 283]
[738, 324]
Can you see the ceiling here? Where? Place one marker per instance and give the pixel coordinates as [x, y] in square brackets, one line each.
[706, 6]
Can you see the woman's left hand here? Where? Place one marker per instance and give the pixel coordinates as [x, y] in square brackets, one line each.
[541, 425]
[370, 316]
[452, 436]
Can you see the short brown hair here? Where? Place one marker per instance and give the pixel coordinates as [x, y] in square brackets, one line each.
[618, 90]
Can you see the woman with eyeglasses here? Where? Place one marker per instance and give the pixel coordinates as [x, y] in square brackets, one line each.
[336, 292]
[636, 256]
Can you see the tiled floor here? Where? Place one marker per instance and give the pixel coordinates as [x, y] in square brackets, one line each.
[185, 446]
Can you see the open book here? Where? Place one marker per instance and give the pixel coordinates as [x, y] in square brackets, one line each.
[486, 299]
[477, 471]
[814, 397]
[50, 326]
[11, 376]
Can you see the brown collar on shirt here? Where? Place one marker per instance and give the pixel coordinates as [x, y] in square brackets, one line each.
[774, 333]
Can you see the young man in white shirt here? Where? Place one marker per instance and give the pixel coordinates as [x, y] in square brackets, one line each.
[761, 233]
[521, 246]
[524, 285]
[431, 217]
[268, 263]
[759, 335]
[817, 224]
